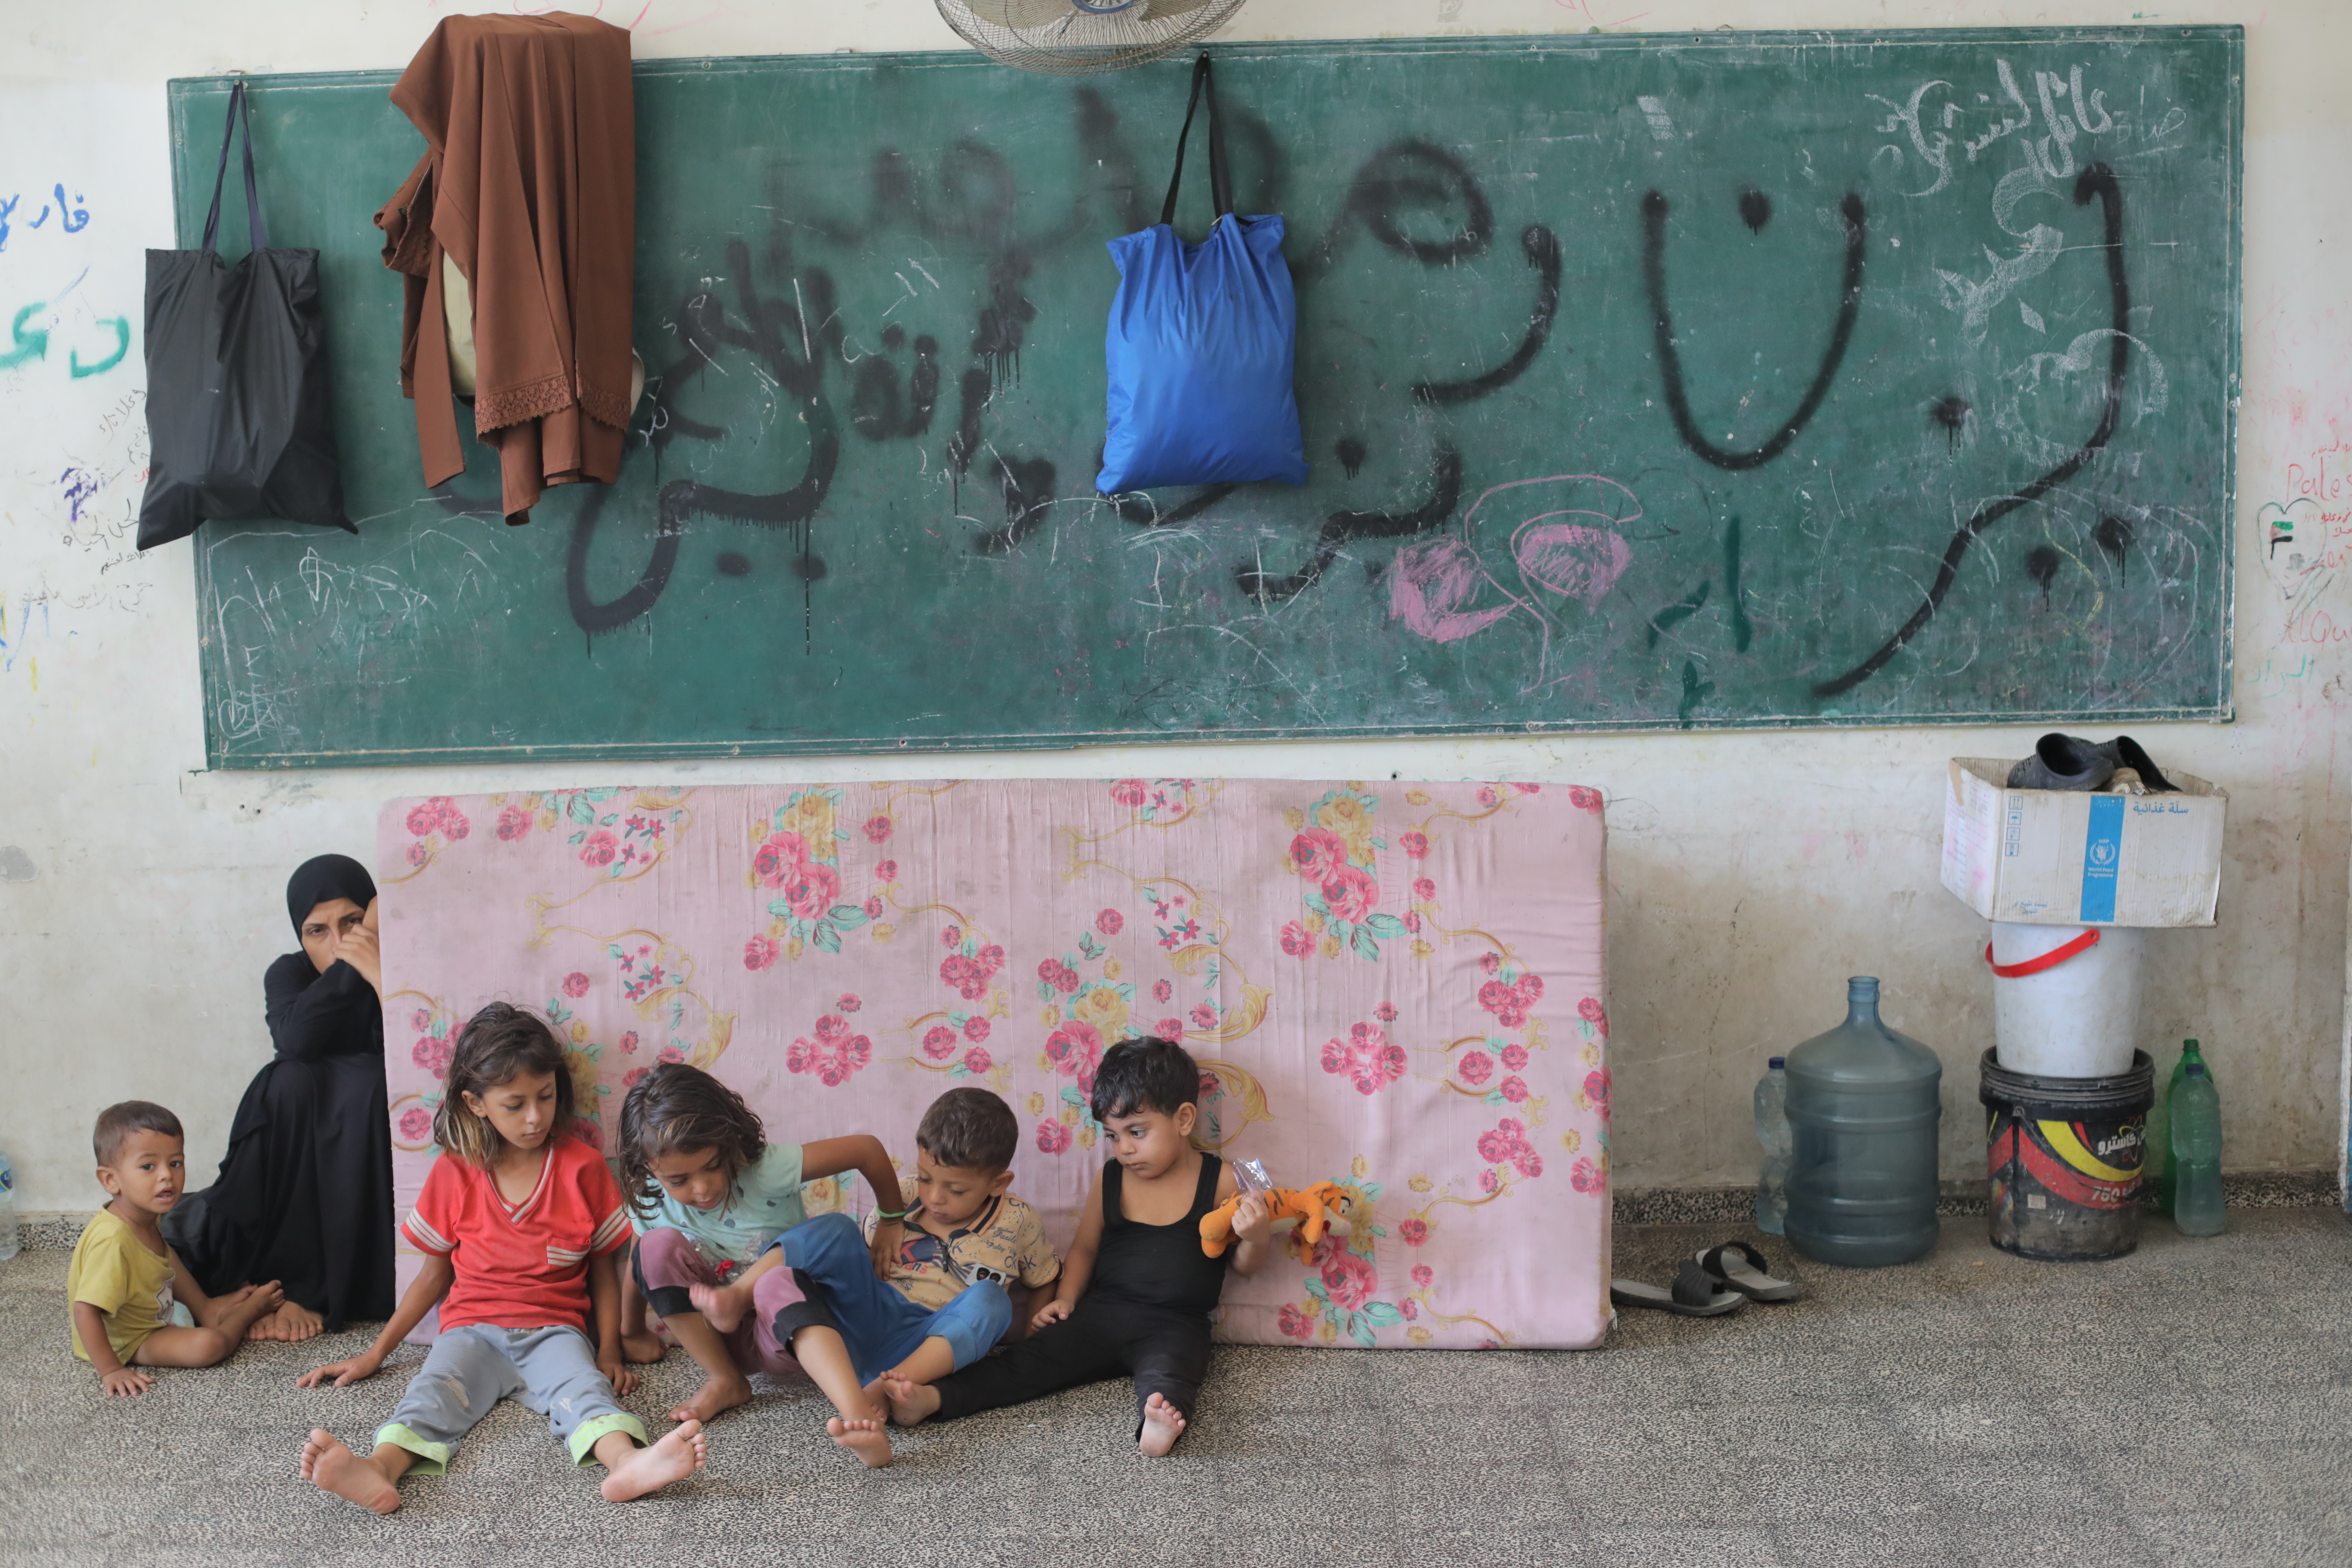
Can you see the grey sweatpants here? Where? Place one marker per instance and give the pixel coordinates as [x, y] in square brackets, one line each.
[552, 1371]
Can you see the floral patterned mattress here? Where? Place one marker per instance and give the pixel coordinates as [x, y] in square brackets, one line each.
[1397, 987]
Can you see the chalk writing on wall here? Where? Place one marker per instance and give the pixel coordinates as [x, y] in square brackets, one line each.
[2305, 538]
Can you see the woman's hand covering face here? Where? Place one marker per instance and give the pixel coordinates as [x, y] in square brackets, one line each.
[325, 928]
[358, 945]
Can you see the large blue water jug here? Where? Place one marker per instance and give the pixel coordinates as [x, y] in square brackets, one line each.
[1865, 1103]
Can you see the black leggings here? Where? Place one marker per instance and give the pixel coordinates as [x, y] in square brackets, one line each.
[1167, 1352]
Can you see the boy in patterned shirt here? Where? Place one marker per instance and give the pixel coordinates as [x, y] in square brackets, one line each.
[968, 1243]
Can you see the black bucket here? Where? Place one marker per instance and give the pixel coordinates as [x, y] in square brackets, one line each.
[2065, 1156]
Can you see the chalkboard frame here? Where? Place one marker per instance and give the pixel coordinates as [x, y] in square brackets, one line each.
[194, 103]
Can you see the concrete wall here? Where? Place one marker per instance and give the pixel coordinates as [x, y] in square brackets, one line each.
[139, 894]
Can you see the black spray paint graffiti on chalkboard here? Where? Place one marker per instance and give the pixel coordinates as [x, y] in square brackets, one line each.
[982, 211]
[1670, 369]
[785, 317]
[2099, 181]
[1505, 529]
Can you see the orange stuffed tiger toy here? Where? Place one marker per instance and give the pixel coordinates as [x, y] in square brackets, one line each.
[1314, 1210]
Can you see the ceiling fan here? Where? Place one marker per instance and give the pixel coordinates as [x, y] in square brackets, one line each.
[1079, 38]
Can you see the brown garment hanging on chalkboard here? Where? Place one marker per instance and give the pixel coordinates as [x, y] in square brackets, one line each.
[530, 184]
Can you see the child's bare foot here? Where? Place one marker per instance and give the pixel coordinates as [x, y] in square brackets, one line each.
[330, 1466]
[865, 1438]
[291, 1321]
[674, 1458]
[721, 1306]
[911, 1403]
[1162, 1425]
[239, 1312]
[716, 1395]
[642, 1346]
[227, 1306]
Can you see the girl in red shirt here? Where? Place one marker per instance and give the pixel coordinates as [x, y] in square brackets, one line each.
[520, 1225]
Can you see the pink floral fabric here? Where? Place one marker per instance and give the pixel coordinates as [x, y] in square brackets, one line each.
[1395, 987]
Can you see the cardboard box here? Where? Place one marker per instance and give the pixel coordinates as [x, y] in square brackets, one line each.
[2048, 857]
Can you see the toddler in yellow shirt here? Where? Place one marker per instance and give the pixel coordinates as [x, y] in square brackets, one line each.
[134, 1303]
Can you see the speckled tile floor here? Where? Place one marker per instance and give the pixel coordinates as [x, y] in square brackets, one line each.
[2190, 1404]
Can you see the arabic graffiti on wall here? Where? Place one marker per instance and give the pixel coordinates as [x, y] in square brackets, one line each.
[1906, 406]
[62, 327]
[72, 217]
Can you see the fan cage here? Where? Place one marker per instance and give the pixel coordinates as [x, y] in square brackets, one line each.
[1084, 38]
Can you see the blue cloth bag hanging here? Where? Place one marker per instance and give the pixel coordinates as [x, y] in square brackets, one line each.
[1200, 344]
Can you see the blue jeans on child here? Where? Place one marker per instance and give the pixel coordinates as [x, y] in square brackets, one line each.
[470, 1369]
[881, 1327]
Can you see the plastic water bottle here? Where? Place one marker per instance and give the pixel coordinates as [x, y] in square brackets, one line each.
[2197, 1153]
[1864, 1103]
[2159, 1140]
[7, 1211]
[1780, 1148]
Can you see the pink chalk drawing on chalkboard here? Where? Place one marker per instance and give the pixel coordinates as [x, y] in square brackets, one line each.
[1570, 551]
[1430, 584]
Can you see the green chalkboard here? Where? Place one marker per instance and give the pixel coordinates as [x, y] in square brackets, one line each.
[1647, 381]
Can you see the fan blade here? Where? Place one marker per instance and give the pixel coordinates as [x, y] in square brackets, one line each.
[1082, 38]
[1022, 13]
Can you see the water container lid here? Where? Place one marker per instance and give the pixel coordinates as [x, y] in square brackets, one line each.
[1778, 1063]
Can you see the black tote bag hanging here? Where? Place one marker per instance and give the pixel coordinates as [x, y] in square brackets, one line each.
[239, 420]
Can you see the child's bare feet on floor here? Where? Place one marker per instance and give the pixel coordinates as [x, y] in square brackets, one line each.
[721, 1306]
[716, 1395]
[330, 1466]
[674, 1458]
[230, 1301]
[865, 1438]
[911, 1403]
[291, 1321]
[254, 1305]
[1162, 1425]
[645, 1346]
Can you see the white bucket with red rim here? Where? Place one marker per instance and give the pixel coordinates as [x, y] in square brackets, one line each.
[2065, 999]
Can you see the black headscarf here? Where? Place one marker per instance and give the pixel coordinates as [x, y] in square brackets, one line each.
[326, 877]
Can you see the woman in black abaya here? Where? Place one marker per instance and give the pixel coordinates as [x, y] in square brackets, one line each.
[304, 1194]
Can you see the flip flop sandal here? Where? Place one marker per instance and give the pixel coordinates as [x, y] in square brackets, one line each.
[2128, 753]
[2070, 762]
[1747, 1275]
[2065, 762]
[1694, 1295]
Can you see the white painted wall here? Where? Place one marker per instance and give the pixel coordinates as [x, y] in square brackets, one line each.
[1752, 872]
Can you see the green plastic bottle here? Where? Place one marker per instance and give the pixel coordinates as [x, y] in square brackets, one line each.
[2160, 1127]
[2197, 1201]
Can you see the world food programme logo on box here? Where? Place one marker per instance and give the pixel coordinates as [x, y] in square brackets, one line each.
[2102, 847]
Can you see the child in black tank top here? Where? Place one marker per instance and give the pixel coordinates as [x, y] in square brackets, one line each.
[1136, 1289]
